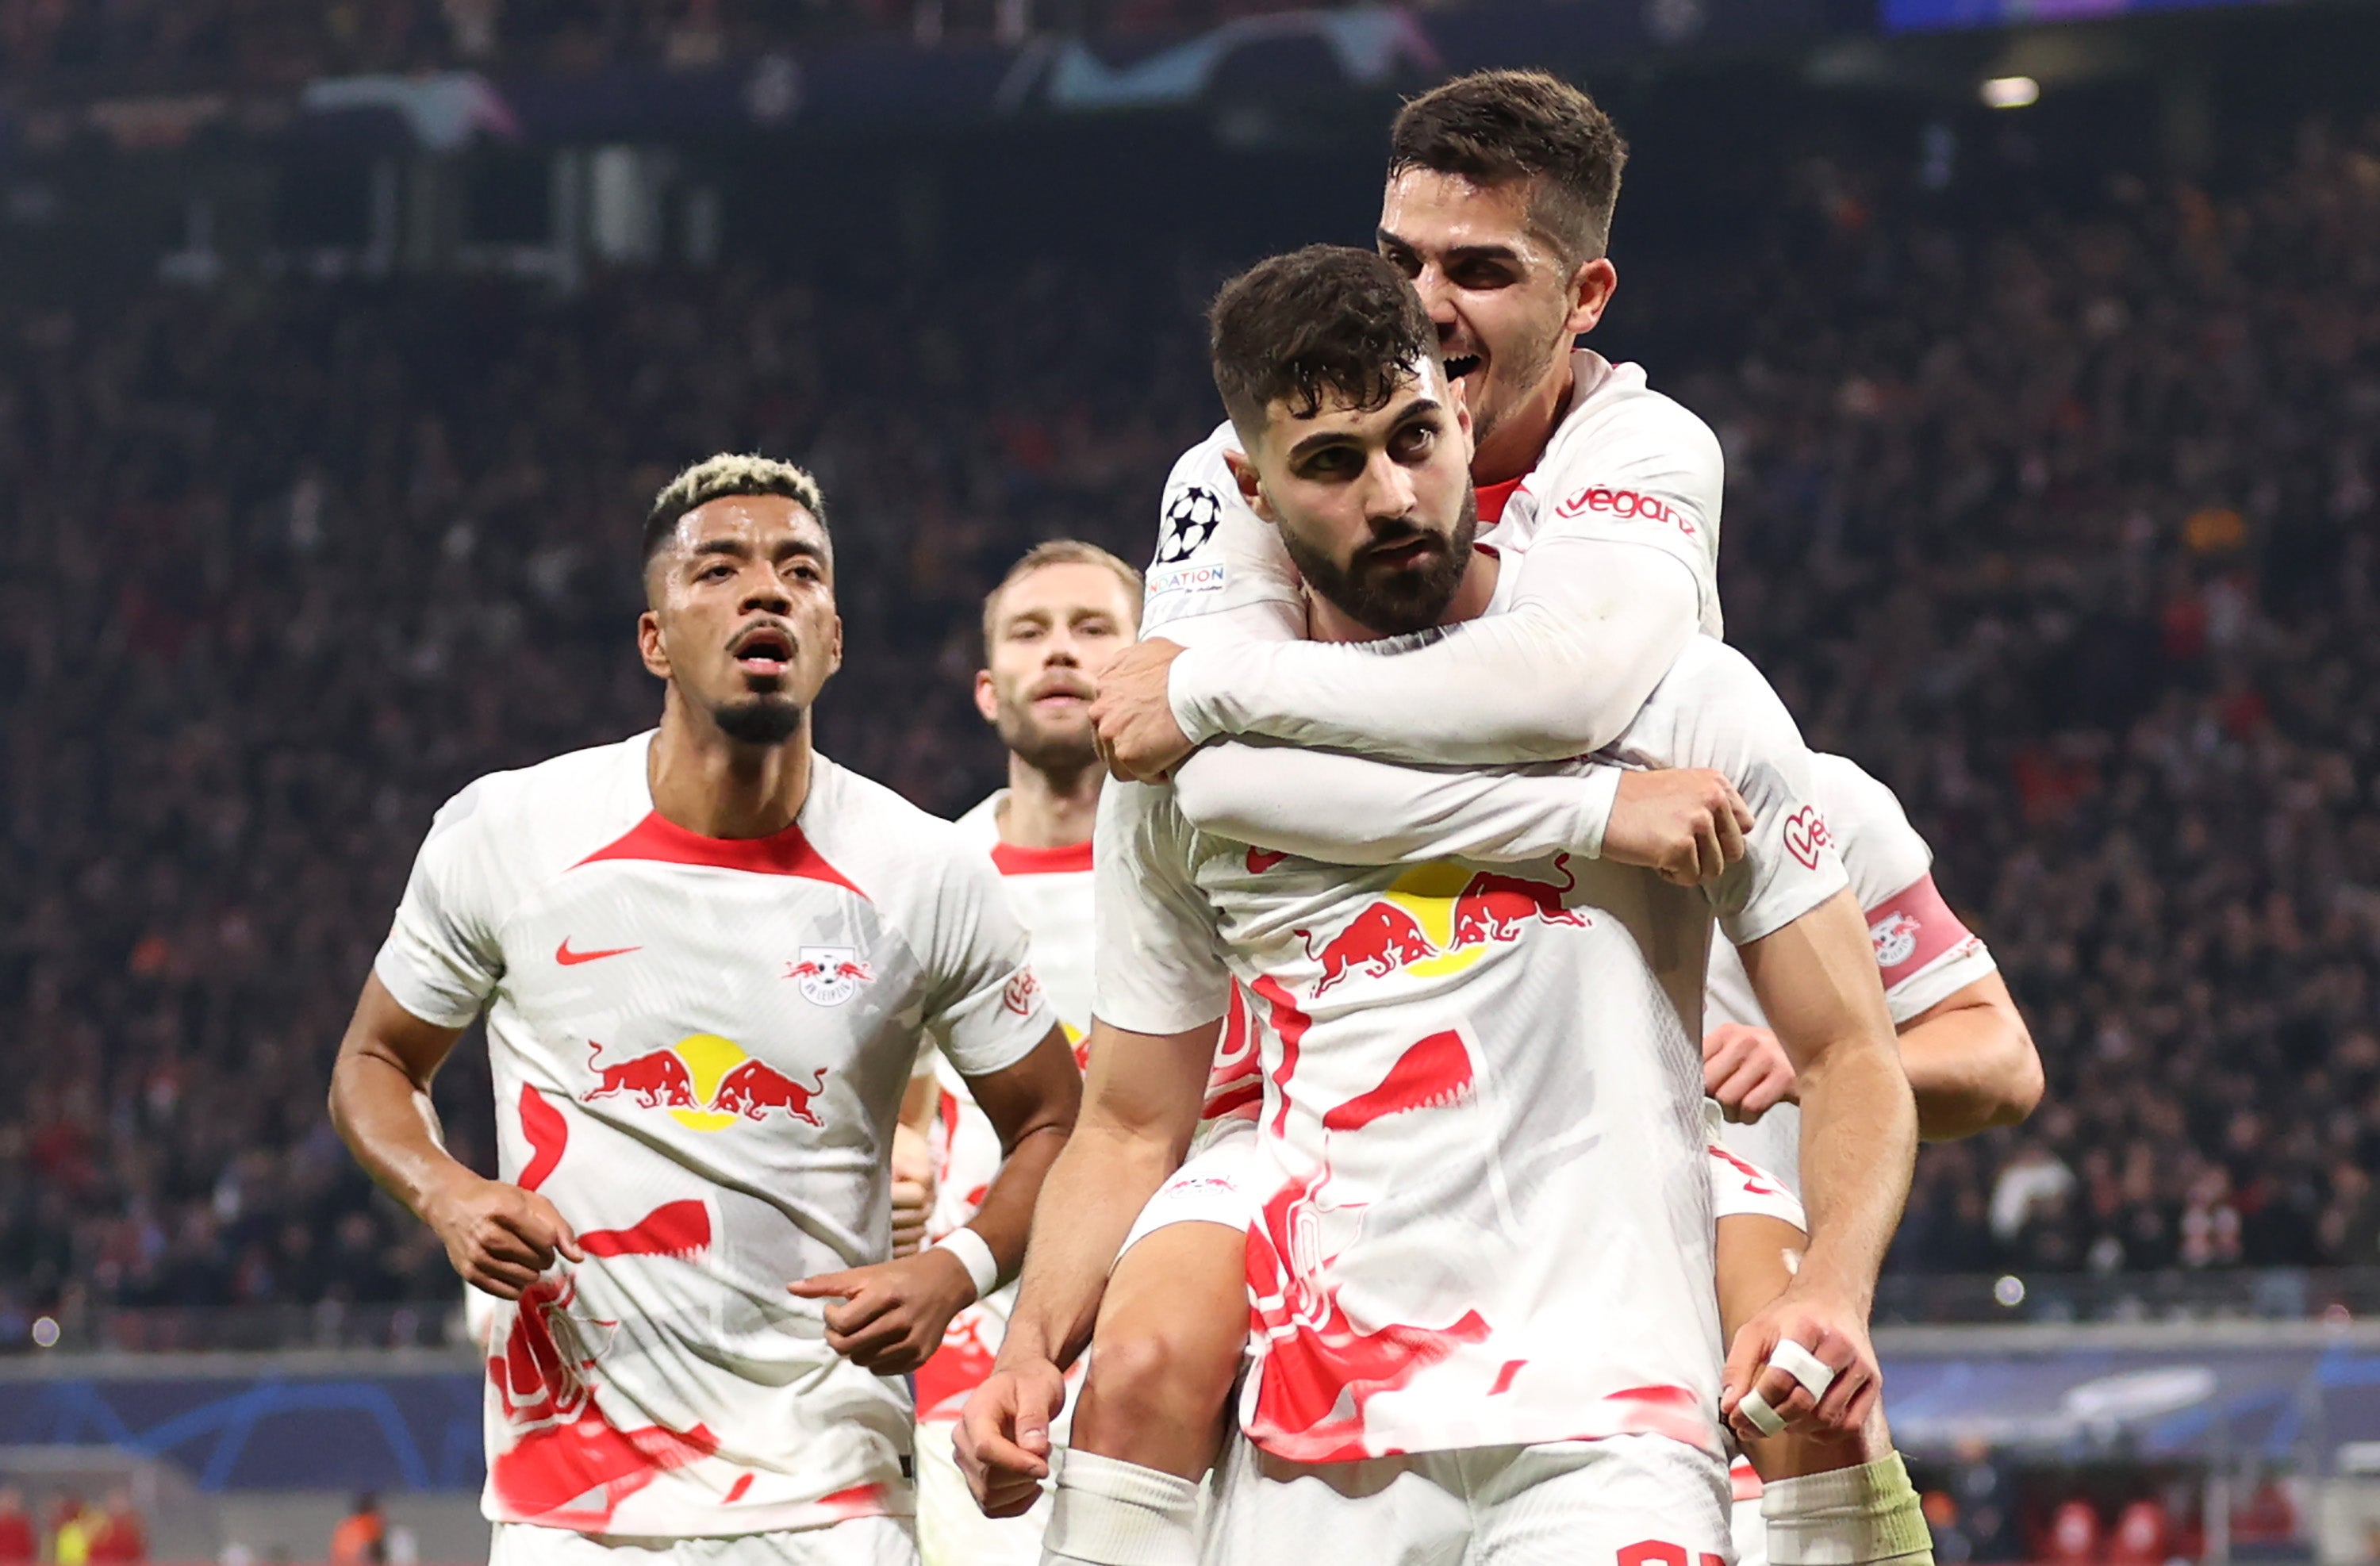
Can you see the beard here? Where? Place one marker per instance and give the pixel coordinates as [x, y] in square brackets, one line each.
[759, 720]
[1056, 753]
[1514, 380]
[1393, 602]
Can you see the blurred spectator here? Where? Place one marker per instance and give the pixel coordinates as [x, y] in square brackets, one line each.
[20, 1541]
[120, 1538]
[361, 1538]
[2057, 518]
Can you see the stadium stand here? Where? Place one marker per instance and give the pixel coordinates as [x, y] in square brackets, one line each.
[2054, 513]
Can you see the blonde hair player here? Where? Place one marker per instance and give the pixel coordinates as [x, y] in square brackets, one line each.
[1057, 617]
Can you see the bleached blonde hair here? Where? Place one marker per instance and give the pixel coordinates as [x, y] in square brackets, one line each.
[729, 473]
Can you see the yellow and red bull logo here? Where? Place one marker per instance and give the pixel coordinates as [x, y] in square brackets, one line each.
[704, 1082]
[1438, 919]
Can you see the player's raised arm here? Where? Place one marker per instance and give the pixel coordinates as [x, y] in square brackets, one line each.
[498, 1236]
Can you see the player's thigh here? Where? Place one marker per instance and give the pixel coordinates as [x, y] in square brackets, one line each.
[1625, 1500]
[1381, 1511]
[951, 1530]
[858, 1541]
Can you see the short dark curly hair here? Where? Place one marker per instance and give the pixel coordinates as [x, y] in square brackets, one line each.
[1495, 126]
[1321, 322]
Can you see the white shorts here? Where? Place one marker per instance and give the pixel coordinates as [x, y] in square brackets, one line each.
[1215, 1186]
[951, 1530]
[1740, 1189]
[1625, 1500]
[859, 1541]
[1745, 1521]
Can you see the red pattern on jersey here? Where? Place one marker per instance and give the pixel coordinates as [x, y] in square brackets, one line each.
[1756, 1180]
[1236, 1086]
[661, 841]
[673, 1229]
[1010, 859]
[547, 1133]
[1318, 1361]
[956, 1369]
[1493, 498]
[1289, 1024]
[571, 1466]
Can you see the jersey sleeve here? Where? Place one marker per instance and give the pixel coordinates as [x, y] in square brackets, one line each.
[1648, 474]
[442, 959]
[1924, 950]
[1734, 722]
[1215, 556]
[1590, 631]
[1344, 809]
[1158, 965]
[984, 1008]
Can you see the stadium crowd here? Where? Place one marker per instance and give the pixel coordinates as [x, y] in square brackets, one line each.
[2058, 519]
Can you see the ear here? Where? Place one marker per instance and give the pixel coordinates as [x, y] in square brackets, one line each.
[1592, 286]
[649, 646]
[835, 648]
[1244, 474]
[986, 700]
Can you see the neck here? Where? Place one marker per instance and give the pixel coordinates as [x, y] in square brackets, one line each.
[1325, 620]
[1516, 442]
[1047, 808]
[714, 786]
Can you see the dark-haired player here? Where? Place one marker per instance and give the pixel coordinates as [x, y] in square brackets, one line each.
[707, 956]
[1498, 207]
[1480, 1267]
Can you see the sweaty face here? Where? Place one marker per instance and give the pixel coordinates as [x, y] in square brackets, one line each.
[1053, 631]
[1375, 507]
[1500, 293]
[742, 619]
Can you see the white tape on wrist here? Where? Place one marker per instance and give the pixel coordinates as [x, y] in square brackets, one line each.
[1802, 1366]
[974, 1253]
[1764, 1418]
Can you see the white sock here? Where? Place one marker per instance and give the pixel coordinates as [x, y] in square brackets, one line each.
[1848, 1517]
[1111, 1512]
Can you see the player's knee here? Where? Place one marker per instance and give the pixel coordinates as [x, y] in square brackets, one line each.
[1161, 1372]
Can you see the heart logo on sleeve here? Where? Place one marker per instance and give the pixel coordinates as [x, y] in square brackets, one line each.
[1806, 836]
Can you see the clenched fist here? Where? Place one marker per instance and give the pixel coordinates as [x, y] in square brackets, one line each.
[1134, 713]
[894, 1314]
[1687, 823]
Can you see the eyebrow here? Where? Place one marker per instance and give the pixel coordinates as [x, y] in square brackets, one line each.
[1321, 439]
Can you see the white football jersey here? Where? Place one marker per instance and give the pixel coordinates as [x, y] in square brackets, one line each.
[1626, 464]
[1923, 953]
[1051, 890]
[1460, 1061]
[700, 1046]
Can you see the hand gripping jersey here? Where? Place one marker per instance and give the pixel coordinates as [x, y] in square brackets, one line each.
[1460, 1060]
[700, 1046]
[1922, 953]
[1626, 465]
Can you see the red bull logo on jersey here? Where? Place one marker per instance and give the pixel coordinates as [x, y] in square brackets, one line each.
[828, 976]
[1439, 919]
[705, 1082]
[1895, 936]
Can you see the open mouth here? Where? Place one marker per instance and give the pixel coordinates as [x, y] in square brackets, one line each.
[1404, 554]
[1461, 365]
[764, 650]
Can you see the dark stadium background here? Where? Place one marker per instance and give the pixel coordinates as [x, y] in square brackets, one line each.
[338, 356]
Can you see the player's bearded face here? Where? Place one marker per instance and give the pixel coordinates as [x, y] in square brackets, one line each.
[1500, 293]
[742, 622]
[1052, 633]
[1375, 507]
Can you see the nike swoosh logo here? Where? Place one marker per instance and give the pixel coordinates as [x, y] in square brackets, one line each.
[569, 959]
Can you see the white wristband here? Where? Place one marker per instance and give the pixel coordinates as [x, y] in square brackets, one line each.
[973, 1252]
